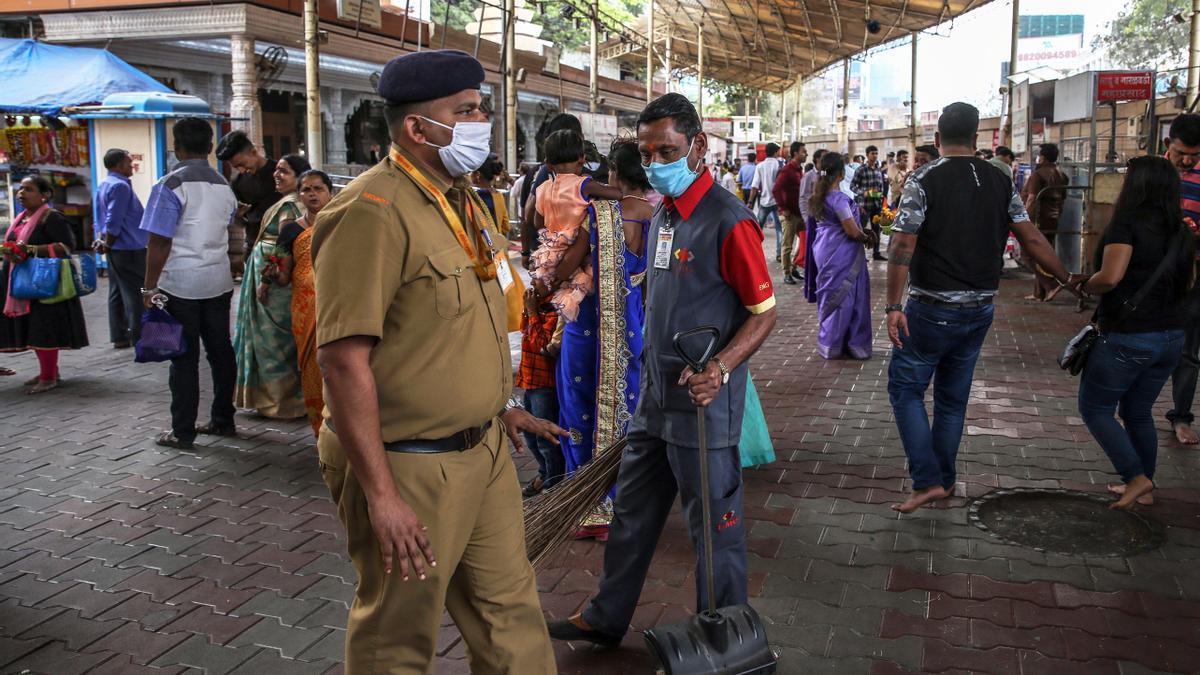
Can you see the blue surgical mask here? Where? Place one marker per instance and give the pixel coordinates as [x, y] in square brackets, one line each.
[672, 179]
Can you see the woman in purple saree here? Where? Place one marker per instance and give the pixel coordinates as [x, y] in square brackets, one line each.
[836, 276]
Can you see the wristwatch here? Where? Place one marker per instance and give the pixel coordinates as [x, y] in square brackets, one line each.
[724, 371]
[893, 308]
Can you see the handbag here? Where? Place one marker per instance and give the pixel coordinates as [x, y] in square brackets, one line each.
[35, 279]
[162, 337]
[1075, 354]
[66, 283]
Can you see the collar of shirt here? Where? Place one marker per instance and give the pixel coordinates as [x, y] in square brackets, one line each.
[121, 177]
[192, 162]
[687, 202]
[435, 177]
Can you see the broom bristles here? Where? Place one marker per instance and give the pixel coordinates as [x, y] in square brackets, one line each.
[552, 517]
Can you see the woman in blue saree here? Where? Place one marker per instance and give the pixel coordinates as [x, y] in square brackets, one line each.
[600, 362]
[836, 276]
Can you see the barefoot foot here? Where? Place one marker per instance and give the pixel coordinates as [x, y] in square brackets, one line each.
[1185, 434]
[920, 498]
[1119, 490]
[1134, 490]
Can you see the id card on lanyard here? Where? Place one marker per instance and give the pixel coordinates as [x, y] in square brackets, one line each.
[662, 250]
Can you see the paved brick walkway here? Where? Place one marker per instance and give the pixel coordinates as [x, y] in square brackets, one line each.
[120, 557]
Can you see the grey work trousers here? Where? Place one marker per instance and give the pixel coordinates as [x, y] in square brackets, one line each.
[652, 472]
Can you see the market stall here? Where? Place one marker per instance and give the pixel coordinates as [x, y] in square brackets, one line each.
[40, 134]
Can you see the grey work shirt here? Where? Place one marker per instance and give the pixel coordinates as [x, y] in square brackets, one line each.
[706, 268]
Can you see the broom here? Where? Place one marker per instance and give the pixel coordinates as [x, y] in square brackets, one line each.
[552, 517]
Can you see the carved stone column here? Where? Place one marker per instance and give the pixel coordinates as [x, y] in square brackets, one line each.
[244, 103]
[335, 118]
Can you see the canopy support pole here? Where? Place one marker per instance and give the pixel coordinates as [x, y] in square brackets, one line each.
[312, 86]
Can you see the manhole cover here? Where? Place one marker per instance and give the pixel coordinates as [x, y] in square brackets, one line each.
[1062, 521]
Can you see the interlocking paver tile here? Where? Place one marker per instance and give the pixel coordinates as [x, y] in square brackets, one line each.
[56, 658]
[197, 652]
[202, 620]
[288, 640]
[269, 661]
[143, 645]
[142, 608]
[16, 618]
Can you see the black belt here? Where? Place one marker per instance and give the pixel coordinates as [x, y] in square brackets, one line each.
[974, 304]
[463, 440]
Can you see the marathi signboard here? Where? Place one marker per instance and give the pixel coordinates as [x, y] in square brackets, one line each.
[366, 11]
[1128, 85]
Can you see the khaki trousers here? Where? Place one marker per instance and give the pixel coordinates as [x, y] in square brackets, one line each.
[792, 224]
[471, 504]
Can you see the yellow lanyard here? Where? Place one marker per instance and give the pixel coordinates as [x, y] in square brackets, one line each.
[485, 266]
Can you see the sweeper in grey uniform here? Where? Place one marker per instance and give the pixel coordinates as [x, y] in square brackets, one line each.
[707, 268]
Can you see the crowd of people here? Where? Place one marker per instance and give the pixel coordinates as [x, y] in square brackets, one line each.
[381, 313]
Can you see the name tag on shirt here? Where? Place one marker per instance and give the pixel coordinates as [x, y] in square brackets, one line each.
[662, 252]
[503, 272]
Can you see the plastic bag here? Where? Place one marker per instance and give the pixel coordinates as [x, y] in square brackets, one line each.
[162, 337]
[36, 279]
[83, 271]
[66, 283]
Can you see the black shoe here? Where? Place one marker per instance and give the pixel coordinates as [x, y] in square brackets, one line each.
[568, 631]
[168, 439]
[789, 280]
[797, 274]
[211, 429]
[534, 487]
[880, 257]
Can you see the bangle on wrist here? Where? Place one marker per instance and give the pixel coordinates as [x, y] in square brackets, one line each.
[150, 291]
[897, 307]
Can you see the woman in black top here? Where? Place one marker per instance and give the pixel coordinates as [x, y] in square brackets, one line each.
[1140, 341]
[29, 324]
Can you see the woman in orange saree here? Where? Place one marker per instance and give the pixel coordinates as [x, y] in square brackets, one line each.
[316, 189]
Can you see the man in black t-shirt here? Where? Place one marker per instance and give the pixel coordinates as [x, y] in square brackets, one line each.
[947, 244]
[254, 184]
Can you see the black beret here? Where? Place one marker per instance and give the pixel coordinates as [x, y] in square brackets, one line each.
[429, 75]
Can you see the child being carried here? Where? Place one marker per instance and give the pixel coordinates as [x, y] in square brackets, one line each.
[560, 267]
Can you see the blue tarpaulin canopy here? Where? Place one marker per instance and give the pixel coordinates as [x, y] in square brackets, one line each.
[43, 79]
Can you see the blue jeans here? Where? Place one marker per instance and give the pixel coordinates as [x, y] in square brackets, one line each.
[1124, 374]
[773, 212]
[543, 403]
[943, 345]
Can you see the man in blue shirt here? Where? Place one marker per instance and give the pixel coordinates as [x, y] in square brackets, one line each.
[746, 176]
[118, 215]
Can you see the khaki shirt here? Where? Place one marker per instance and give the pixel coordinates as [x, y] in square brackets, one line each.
[896, 178]
[387, 265]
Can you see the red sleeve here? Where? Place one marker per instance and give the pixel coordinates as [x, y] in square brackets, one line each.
[744, 267]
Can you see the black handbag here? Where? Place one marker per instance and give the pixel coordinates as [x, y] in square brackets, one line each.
[1075, 354]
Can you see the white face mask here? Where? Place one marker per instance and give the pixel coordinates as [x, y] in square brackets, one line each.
[470, 144]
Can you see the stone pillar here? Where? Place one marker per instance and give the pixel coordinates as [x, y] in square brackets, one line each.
[244, 103]
[335, 142]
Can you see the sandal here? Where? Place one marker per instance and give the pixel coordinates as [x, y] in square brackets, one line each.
[211, 429]
[534, 487]
[38, 378]
[168, 439]
[42, 386]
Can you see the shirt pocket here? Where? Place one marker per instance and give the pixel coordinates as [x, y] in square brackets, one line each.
[449, 285]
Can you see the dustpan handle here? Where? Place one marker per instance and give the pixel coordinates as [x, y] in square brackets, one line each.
[698, 365]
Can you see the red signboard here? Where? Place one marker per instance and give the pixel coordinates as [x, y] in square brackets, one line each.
[1124, 85]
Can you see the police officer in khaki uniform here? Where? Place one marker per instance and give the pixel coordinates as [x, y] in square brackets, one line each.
[412, 342]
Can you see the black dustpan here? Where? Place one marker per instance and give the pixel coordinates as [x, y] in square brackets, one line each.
[726, 641]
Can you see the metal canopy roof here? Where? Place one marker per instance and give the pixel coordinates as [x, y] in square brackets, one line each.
[767, 44]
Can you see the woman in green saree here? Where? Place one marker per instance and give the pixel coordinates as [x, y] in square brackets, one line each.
[268, 380]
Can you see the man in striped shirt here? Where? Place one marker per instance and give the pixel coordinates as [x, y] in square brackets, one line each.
[1184, 150]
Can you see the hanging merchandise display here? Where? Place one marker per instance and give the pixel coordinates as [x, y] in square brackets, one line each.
[39, 145]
